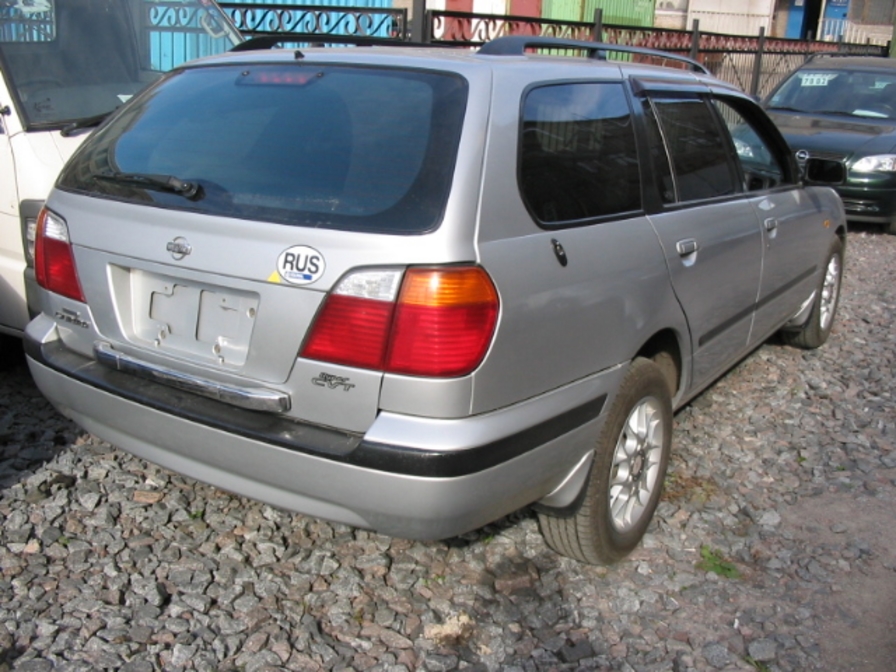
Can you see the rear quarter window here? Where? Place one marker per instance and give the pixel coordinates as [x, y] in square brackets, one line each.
[330, 146]
[578, 158]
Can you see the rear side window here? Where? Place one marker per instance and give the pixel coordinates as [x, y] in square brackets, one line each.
[697, 151]
[326, 146]
[578, 158]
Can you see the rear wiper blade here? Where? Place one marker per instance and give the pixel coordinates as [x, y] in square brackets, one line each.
[86, 122]
[191, 190]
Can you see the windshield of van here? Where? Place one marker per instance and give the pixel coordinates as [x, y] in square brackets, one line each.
[66, 61]
[332, 146]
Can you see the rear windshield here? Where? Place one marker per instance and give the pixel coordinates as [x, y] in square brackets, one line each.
[309, 145]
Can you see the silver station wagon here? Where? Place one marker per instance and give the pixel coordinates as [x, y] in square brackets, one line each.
[414, 290]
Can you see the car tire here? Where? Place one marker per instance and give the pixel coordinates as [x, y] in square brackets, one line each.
[814, 333]
[626, 478]
[890, 227]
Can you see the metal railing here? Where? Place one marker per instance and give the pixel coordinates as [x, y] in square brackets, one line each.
[301, 21]
[756, 64]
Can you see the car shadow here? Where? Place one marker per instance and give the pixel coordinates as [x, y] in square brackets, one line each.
[488, 532]
[865, 227]
[12, 354]
[32, 432]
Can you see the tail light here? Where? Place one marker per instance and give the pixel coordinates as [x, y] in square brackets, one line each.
[426, 322]
[54, 261]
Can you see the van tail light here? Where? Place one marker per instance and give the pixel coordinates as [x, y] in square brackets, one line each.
[435, 322]
[54, 261]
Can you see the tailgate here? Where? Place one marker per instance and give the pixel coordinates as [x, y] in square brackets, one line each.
[223, 302]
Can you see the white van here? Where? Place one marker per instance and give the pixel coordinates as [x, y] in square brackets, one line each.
[65, 65]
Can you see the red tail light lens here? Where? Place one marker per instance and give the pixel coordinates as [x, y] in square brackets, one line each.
[54, 261]
[444, 322]
[351, 331]
[440, 323]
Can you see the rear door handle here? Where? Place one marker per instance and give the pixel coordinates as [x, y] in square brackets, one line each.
[771, 224]
[686, 247]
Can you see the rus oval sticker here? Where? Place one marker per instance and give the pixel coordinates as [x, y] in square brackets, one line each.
[300, 265]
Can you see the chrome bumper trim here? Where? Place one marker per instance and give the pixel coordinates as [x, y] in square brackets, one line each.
[252, 398]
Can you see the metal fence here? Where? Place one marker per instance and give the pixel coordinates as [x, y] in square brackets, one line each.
[19, 26]
[756, 64]
[169, 32]
[303, 22]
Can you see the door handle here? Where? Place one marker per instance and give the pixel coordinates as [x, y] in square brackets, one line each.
[771, 224]
[686, 247]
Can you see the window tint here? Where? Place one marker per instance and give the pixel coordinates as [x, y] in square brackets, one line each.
[577, 153]
[760, 166]
[659, 159]
[697, 149]
[328, 146]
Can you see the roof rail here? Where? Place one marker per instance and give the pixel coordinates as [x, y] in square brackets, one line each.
[516, 45]
[262, 41]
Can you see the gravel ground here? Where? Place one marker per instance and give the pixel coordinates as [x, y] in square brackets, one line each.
[773, 548]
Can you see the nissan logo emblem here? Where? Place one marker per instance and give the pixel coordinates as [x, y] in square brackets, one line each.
[802, 155]
[179, 248]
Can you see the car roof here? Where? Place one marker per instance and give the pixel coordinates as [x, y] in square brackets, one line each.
[835, 62]
[507, 53]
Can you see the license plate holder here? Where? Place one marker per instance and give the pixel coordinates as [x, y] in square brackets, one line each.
[195, 319]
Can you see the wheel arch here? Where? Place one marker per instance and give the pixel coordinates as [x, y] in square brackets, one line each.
[841, 234]
[664, 348]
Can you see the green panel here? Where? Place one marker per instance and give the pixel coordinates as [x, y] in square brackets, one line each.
[564, 10]
[622, 12]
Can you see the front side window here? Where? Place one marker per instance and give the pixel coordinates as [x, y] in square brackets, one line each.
[698, 167]
[761, 166]
[308, 145]
[578, 158]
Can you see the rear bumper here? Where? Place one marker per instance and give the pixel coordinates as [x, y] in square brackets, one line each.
[407, 476]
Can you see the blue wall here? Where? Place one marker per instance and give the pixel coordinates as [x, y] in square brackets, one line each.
[795, 18]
